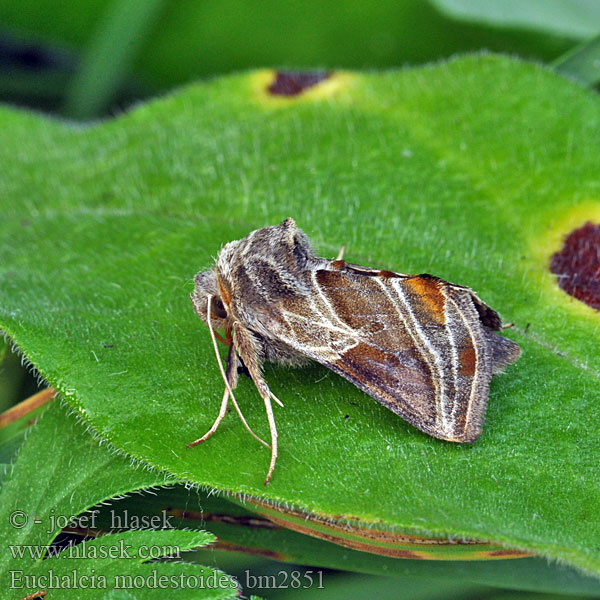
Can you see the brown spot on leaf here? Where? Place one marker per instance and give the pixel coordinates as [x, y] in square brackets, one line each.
[292, 83]
[577, 265]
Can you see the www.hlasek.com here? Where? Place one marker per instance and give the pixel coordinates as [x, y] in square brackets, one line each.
[118, 550]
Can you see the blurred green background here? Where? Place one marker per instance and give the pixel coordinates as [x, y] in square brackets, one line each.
[92, 59]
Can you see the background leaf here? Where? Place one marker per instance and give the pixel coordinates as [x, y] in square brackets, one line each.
[466, 170]
[76, 475]
[17, 421]
[239, 529]
[109, 55]
[184, 41]
[11, 375]
[574, 18]
[582, 63]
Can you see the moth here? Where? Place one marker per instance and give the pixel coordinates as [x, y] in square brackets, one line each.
[423, 347]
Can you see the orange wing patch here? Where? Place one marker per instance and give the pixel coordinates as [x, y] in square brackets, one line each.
[428, 297]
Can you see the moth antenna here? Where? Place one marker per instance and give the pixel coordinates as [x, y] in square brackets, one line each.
[217, 422]
[273, 429]
[340, 254]
[227, 386]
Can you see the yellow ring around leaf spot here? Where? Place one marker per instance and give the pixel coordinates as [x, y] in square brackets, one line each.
[550, 241]
[328, 88]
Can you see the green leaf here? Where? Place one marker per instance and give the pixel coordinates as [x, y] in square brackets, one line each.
[572, 18]
[471, 170]
[72, 474]
[109, 55]
[353, 587]
[190, 39]
[86, 569]
[581, 63]
[16, 423]
[238, 528]
[11, 375]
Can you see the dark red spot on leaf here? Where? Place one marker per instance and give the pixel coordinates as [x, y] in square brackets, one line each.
[292, 83]
[577, 265]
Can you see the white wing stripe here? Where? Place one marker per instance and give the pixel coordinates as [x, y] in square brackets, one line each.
[452, 342]
[478, 372]
[419, 338]
[441, 399]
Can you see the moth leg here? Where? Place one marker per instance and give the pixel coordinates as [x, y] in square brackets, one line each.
[273, 429]
[248, 350]
[221, 338]
[276, 398]
[217, 422]
[340, 254]
[231, 377]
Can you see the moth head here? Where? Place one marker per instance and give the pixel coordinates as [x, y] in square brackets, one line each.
[205, 287]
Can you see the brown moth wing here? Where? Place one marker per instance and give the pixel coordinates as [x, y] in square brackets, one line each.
[417, 344]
